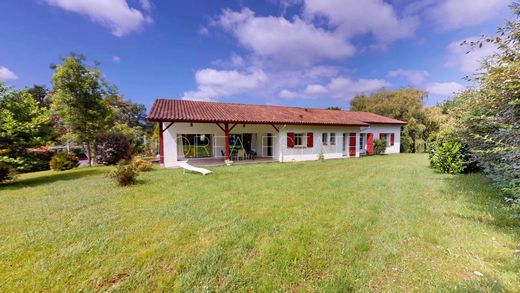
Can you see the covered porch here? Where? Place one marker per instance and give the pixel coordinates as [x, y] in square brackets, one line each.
[201, 162]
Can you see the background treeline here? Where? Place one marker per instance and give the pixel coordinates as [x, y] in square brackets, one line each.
[79, 109]
[478, 129]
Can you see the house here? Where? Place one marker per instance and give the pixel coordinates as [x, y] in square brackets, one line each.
[219, 131]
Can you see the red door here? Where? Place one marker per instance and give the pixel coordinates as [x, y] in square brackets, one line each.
[352, 145]
[370, 143]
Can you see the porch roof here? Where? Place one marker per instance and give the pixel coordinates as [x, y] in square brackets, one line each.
[205, 112]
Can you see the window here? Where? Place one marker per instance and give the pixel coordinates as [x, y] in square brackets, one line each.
[324, 139]
[332, 138]
[362, 141]
[299, 139]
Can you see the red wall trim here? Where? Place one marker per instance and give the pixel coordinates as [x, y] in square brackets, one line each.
[161, 144]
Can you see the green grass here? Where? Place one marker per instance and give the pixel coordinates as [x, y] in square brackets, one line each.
[373, 224]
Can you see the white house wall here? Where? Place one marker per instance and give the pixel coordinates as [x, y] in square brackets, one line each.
[311, 153]
[280, 151]
[376, 129]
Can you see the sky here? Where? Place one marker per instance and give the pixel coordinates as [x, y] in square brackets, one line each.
[310, 53]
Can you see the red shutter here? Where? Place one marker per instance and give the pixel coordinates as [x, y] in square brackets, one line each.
[290, 139]
[392, 139]
[352, 144]
[310, 139]
[370, 143]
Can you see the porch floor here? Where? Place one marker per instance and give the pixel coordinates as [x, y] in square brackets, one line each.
[219, 161]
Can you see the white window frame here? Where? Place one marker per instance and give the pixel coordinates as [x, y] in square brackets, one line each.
[303, 139]
[324, 138]
[332, 138]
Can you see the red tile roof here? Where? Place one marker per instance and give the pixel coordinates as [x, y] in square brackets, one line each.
[195, 111]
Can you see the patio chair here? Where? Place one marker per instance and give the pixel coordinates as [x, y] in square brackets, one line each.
[241, 154]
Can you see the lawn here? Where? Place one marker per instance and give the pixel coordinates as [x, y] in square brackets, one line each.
[373, 224]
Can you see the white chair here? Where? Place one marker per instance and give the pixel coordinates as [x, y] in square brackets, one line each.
[187, 167]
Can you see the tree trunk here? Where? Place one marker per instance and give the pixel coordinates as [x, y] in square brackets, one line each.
[89, 154]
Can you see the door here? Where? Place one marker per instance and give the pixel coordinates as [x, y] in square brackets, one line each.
[370, 143]
[269, 145]
[248, 137]
[352, 144]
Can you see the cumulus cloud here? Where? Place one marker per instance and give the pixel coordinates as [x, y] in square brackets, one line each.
[213, 84]
[444, 88]
[6, 74]
[277, 38]
[116, 15]
[466, 58]
[338, 87]
[415, 77]
[354, 17]
[455, 14]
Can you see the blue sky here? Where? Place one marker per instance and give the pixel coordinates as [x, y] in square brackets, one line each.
[313, 53]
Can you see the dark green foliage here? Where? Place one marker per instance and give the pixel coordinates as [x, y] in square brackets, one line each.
[111, 148]
[487, 117]
[124, 173]
[64, 161]
[36, 160]
[379, 146]
[7, 172]
[333, 108]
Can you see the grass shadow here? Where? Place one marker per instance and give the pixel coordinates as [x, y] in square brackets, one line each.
[487, 200]
[51, 177]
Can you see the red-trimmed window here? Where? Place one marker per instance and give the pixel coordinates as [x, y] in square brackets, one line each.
[392, 138]
[290, 139]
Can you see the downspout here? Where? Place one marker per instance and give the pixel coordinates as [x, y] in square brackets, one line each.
[281, 146]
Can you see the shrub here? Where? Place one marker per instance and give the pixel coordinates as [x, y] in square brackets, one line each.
[447, 156]
[64, 161]
[142, 165]
[7, 172]
[124, 173]
[111, 148]
[379, 146]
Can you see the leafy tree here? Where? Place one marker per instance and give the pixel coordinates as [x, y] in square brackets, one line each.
[488, 115]
[40, 94]
[125, 111]
[78, 99]
[404, 104]
[23, 124]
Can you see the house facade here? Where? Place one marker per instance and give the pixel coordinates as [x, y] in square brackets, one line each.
[225, 131]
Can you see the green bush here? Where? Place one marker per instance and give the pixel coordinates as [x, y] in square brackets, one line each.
[64, 161]
[124, 173]
[379, 146]
[111, 148]
[7, 173]
[142, 165]
[447, 156]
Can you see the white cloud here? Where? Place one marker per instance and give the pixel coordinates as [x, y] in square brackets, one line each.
[415, 77]
[287, 94]
[466, 58]
[116, 15]
[214, 84]
[354, 17]
[116, 59]
[6, 74]
[296, 41]
[444, 88]
[455, 14]
[234, 61]
[338, 87]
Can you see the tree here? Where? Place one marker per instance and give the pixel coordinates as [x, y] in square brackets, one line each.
[487, 117]
[78, 99]
[40, 95]
[23, 124]
[333, 108]
[403, 104]
[125, 111]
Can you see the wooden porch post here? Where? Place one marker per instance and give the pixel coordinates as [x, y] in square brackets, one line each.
[226, 130]
[161, 144]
